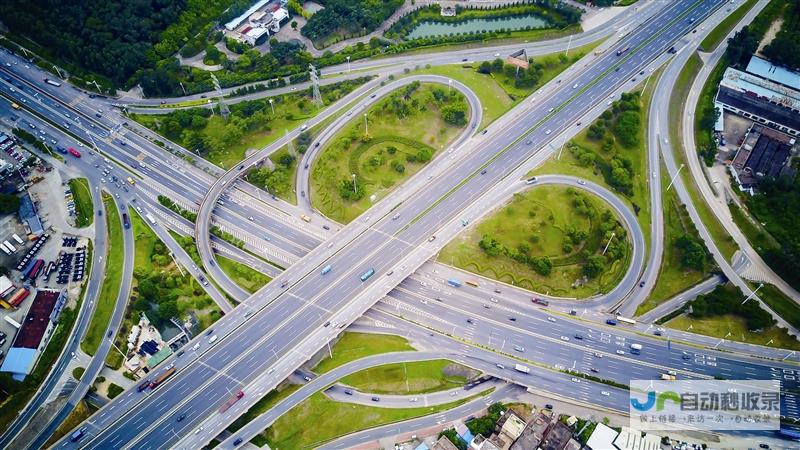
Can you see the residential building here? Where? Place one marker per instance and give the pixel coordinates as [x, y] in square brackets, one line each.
[444, 444]
[602, 438]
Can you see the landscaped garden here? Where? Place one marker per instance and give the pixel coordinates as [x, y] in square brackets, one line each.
[402, 133]
[549, 239]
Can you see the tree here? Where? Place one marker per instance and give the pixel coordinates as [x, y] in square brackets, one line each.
[626, 128]
[595, 264]
[350, 192]
[148, 289]
[693, 254]
[168, 310]
[453, 437]
[455, 114]
[542, 265]
[497, 65]
[294, 24]
[286, 160]
[742, 46]
[9, 203]
[485, 67]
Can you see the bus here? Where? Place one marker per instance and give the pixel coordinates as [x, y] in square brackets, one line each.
[472, 283]
[126, 222]
[52, 83]
[453, 282]
[366, 275]
[15, 106]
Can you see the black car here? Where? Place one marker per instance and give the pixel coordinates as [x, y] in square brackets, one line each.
[181, 417]
[208, 333]
[548, 406]
[348, 391]
[375, 399]
[512, 318]
[237, 441]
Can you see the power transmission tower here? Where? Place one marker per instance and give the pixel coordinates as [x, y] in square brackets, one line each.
[223, 108]
[317, 97]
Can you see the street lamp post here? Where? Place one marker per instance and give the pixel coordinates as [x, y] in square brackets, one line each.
[271, 105]
[753, 293]
[366, 126]
[354, 183]
[675, 176]
[348, 64]
[608, 243]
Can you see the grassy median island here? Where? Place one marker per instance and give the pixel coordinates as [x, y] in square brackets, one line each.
[318, 420]
[685, 261]
[405, 131]
[81, 412]
[548, 239]
[251, 124]
[352, 346]
[84, 209]
[721, 314]
[107, 298]
[418, 377]
[248, 279]
[499, 92]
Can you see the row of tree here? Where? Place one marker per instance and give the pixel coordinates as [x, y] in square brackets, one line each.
[727, 299]
[348, 16]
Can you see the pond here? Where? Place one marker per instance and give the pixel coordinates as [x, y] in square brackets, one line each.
[429, 29]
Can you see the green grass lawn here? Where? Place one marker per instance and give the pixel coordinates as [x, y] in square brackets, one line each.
[639, 200]
[496, 92]
[541, 219]
[107, 299]
[392, 142]
[419, 377]
[672, 277]
[353, 346]
[84, 209]
[780, 303]
[248, 279]
[680, 91]
[318, 420]
[715, 37]
[720, 326]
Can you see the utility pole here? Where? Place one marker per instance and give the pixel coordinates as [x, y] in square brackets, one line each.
[608, 243]
[675, 176]
[316, 96]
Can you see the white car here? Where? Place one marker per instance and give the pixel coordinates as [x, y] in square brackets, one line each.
[575, 380]
[548, 131]
[551, 319]
[500, 366]
[604, 393]
[564, 338]
[620, 352]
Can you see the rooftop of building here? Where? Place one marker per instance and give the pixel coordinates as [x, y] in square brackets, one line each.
[759, 107]
[778, 74]
[557, 437]
[37, 320]
[533, 434]
[774, 92]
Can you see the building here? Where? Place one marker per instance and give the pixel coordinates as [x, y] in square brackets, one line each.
[28, 215]
[6, 286]
[632, 439]
[444, 444]
[778, 74]
[533, 434]
[481, 443]
[557, 437]
[511, 427]
[262, 20]
[761, 100]
[602, 438]
[34, 334]
[764, 153]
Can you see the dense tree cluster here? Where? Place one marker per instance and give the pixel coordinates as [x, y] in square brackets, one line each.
[777, 205]
[693, 252]
[484, 425]
[348, 16]
[785, 48]
[742, 46]
[727, 299]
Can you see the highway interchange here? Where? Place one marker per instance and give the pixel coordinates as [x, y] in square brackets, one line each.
[361, 238]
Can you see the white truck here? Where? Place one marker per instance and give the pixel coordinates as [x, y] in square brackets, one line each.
[521, 368]
[10, 247]
[636, 348]
[18, 239]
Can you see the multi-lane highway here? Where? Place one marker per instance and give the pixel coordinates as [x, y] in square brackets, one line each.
[303, 301]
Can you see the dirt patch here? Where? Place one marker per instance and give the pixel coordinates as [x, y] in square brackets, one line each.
[457, 370]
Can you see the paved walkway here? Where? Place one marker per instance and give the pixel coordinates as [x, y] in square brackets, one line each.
[338, 393]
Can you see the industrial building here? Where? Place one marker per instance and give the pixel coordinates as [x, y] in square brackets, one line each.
[764, 153]
[761, 100]
[34, 333]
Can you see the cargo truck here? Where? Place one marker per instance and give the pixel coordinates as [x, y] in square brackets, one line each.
[150, 218]
[623, 50]
[126, 221]
[52, 83]
[160, 379]
[18, 239]
[668, 377]
[10, 247]
[231, 401]
[636, 349]
[521, 368]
